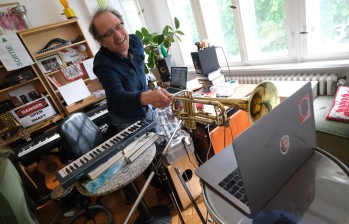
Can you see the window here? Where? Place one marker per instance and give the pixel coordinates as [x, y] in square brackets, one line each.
[251, 32]
[327, 28]
[264, 27]
[132, 15]
[182, 9]
[221, 21]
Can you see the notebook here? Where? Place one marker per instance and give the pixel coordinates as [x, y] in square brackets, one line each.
[178, 80]
[266, 155]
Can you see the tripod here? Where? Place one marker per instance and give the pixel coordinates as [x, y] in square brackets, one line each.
[167, 185]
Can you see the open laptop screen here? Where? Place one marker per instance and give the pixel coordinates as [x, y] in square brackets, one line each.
[179, 77]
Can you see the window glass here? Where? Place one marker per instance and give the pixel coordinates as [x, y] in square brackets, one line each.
[183, 11]
[132, 15]
[327, 24]
[264, 28]
[219, 19]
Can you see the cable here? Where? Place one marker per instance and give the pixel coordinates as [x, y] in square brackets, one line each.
[186, 150]
[209, 148]
[231, 133]
[226, 61]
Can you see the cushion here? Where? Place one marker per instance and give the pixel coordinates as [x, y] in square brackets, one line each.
[340, 106]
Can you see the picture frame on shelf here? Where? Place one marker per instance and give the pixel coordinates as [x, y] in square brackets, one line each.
[72, 72]
[73, 54]
[50, 63]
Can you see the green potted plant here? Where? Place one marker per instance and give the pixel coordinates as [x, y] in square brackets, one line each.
[155, 43]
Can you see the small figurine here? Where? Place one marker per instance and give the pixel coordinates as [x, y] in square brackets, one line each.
[204, 43]
[68, 12]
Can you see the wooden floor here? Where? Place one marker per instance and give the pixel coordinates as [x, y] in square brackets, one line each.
[51, 213]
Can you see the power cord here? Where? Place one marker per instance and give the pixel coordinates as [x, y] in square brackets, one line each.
[210, 147]
[226, 61]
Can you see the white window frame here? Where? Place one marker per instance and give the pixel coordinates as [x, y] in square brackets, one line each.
[159, 14]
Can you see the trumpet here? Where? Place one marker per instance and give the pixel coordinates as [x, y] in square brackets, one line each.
[260, 102]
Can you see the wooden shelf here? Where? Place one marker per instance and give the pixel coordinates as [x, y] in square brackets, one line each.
[56, 51]
[18, 85]
[35, 39]
[84, 103]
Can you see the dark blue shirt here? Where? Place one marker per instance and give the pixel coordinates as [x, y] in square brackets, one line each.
[123, 80]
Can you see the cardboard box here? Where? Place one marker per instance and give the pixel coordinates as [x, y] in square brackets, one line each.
[33, 112]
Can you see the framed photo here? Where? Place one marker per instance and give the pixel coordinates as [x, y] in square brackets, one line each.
[72, 72]
[50, 63]
[73, 54]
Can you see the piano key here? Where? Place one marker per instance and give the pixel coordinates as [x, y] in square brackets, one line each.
[95, 159]
[28, 151]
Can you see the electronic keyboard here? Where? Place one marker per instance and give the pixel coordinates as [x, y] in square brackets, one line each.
[28, 151]
[100, 154]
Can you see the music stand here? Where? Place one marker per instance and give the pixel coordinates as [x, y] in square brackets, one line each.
[158, 219]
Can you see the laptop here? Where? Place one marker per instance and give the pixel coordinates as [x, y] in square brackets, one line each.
[265, 155]
[178, 80]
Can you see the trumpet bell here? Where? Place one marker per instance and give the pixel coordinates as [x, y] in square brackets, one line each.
[262, 100]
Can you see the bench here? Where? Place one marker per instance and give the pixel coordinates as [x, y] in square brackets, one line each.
[332, 136]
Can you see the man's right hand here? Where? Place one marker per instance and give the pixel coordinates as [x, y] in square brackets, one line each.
[159, 98]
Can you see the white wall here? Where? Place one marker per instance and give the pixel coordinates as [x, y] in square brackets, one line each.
[43, 12]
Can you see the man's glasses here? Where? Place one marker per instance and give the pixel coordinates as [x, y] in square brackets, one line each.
[111, 32]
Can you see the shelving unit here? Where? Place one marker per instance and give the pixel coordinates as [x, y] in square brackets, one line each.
[45, 37]
[37, 38]
[41, 89]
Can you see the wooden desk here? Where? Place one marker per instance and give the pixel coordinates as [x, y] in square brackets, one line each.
[222, 136]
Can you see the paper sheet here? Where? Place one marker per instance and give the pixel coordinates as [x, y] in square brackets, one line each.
[74, 91]
[88, 64]
[13, 54]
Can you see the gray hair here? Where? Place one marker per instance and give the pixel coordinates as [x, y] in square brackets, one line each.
[92, 28]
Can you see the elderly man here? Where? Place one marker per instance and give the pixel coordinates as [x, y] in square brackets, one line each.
[119, 65]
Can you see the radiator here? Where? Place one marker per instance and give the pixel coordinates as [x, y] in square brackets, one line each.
[327, 82]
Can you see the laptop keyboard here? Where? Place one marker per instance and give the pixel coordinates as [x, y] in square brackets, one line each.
[233, 184]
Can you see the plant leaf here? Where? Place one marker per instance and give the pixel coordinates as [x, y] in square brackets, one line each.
[179, 39]
[179, 32]
[165, 30]
[176, 21]
[144, 31]
[167, 44]
[139, 34]
[146, 71]
[161, 39]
